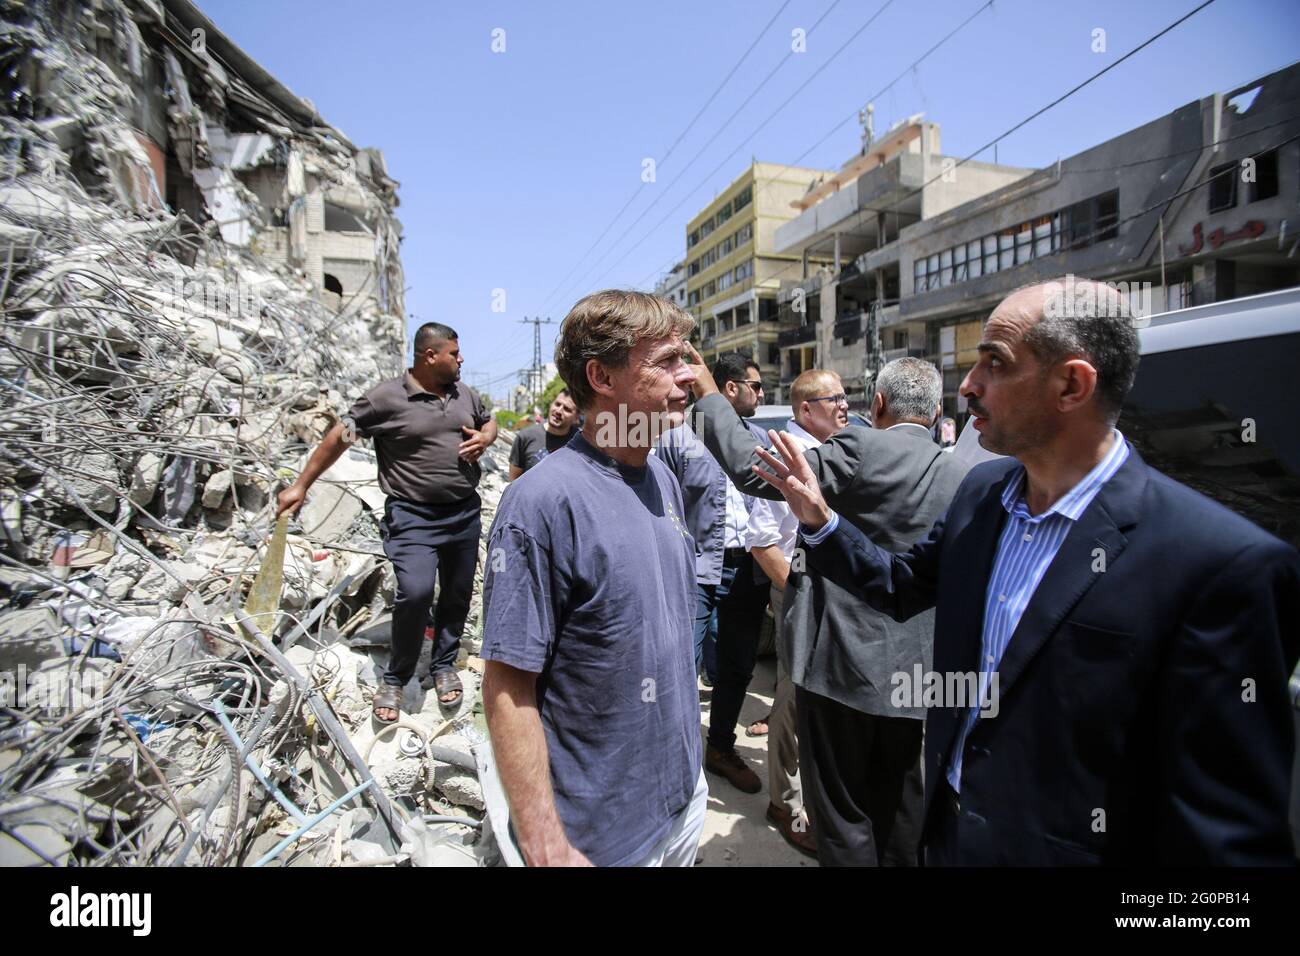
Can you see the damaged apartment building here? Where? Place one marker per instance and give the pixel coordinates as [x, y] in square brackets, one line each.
[201, 128]
[1195, 207]
[198, 275]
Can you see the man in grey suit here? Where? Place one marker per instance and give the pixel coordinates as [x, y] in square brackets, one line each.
[859, 753]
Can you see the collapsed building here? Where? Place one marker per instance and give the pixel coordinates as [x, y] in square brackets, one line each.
[198, 274]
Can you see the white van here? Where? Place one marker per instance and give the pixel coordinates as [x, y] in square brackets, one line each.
[1216, 405]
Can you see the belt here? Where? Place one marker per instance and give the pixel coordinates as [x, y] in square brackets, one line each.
[440, 507]
[733, 555]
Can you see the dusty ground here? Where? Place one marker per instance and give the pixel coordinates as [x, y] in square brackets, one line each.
[736, 831]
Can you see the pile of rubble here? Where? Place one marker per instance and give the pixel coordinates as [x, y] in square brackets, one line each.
[162, 376]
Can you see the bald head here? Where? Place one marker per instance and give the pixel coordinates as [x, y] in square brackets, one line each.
[1075, 318]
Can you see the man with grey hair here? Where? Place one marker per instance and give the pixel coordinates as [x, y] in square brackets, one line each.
[859, 751]
[588, 601]
[907, 390]
[1138, 636]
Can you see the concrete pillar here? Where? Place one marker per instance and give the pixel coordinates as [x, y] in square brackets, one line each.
[805, 263]
[837, 253]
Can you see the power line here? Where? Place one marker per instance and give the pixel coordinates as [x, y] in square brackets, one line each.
[535, 385]
[881, 92]
[717, 133]
[636, 192]
[1060, 99]
[1183, 152]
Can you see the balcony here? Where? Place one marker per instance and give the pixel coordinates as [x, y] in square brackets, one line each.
[798, 335]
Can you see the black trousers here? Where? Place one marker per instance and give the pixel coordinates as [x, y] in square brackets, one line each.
[428, 543]
[861, 777]
[740, 615]
[942, 846]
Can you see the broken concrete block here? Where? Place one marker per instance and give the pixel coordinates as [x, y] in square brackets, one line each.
[358, 471]
[329, 513]
[16, 241]
[458, 787]
[92, 477]
[157, 585]
[29, 637]
[216, 488]
[145, 475]
[401, 777]
[208, 339]
[45, 842]
[305, 395]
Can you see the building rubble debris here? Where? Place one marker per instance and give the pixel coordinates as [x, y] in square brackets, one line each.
[167, 364]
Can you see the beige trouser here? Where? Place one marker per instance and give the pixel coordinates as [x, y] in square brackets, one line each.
[782, 742]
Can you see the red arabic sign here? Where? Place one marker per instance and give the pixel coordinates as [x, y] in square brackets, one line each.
[1253, 229]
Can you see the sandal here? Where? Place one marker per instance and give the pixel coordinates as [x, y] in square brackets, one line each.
[388, 697]
[763, 721]
[448, 682]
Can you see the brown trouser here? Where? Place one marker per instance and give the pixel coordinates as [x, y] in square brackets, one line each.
[782, 740]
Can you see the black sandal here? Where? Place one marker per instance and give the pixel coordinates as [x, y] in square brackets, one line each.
[388, 697]
[448, 682]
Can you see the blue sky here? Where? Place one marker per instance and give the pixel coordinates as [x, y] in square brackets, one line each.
[512, 163]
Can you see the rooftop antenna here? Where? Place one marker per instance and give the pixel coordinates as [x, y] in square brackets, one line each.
[867, 118]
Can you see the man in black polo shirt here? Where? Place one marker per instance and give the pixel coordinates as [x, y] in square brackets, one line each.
[429, 433]
[535, 442]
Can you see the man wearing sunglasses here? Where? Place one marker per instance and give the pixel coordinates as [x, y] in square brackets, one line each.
[731, 591]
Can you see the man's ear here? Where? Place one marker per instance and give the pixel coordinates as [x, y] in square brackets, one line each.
[599, 378]
[1077, 383]
[877, 405]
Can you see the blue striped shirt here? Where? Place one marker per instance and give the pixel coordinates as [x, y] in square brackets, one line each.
[1025, 551]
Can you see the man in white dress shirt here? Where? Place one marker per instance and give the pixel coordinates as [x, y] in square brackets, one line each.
[820, 410]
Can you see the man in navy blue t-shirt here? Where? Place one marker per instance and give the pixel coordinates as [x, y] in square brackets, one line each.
[588, 600]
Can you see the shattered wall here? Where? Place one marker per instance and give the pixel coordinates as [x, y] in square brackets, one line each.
[168, 356]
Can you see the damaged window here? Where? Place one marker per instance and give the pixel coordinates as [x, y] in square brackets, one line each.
[340, 219]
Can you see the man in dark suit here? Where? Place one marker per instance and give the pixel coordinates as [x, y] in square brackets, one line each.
[859, 751]
[1111, 648]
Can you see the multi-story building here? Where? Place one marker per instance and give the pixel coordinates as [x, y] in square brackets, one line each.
[1198, 206]
[732, 269]
[672, 286]
[214, 135]
[845, 315]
